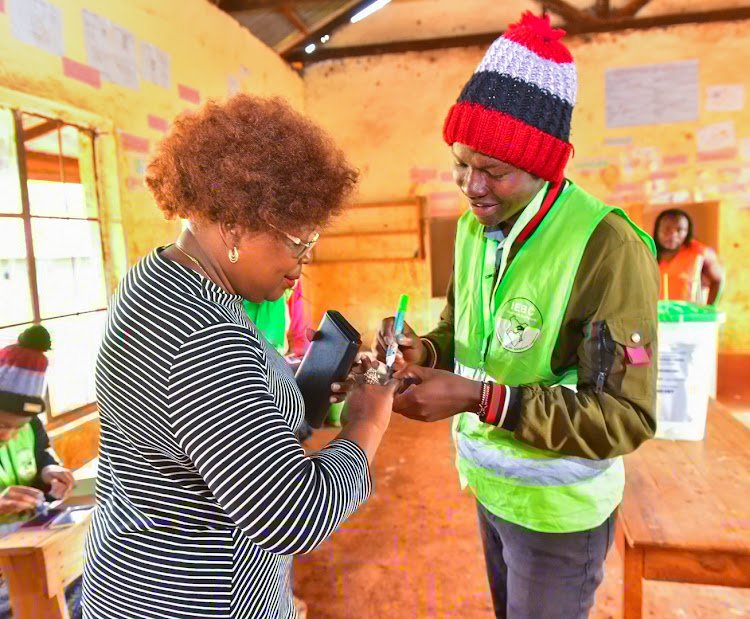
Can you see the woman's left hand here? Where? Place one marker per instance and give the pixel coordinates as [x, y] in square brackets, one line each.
[432, 395]
[60, 479]
[340, 390]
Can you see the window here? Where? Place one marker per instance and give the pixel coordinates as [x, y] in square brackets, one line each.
[52, 267]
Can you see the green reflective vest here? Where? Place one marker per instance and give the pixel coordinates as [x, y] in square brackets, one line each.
[17, 460]
[505, 331]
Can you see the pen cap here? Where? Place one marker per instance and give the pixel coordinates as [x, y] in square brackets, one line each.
[403, 302]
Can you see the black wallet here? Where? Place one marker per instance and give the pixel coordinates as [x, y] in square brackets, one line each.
[328, 360]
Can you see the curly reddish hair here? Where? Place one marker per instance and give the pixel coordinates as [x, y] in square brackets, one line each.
[249, 161]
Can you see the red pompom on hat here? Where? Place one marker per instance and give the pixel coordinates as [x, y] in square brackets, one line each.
[518, 105]
[22, 373]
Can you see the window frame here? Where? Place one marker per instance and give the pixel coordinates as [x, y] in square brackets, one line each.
[107, 190]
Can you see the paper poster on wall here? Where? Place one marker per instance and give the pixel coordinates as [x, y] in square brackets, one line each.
[652, 94]
[155, 65]
[725, 98]
[38, 23]
[716, 137]
[111, 49]
[233, 85]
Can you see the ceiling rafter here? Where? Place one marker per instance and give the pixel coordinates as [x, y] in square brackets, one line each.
[294, 19]
[569, 13]
[631, 8]
[482, 39]
[327, 26]
[233, 6]
[601, 9]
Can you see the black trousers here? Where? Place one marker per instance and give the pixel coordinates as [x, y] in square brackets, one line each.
[535, 575]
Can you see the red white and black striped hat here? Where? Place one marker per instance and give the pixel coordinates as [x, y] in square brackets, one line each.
[22, 373]
[518, 104]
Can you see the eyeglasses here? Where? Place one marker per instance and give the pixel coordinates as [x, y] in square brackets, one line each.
[304, 246]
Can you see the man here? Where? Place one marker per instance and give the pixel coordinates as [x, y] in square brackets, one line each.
[28, 467]
[550, 329]
[690, 270]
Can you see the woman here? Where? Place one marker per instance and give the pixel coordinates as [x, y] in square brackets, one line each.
[204, 493]
[690, 271]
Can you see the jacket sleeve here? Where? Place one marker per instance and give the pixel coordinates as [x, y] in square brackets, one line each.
[613, 409]
[230, 426]
[43, 454]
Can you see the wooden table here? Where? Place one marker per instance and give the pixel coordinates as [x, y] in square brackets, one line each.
[686, 512]
[38, 565]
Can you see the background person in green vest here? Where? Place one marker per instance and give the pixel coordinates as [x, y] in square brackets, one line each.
[28, 467]
[549, 331]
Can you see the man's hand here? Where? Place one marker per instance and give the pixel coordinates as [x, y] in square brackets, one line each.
[60, 479]
[19, 499]
[409, 344]
[432, 395]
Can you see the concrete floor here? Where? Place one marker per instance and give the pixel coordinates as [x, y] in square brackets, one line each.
[413, 550]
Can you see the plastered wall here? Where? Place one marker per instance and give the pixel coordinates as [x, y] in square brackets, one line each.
[210, 55]
[387, 111]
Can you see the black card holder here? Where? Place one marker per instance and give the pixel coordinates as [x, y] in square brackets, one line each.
[328, 360]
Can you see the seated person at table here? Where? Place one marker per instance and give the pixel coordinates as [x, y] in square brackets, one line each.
[28, 467]
[690, 271]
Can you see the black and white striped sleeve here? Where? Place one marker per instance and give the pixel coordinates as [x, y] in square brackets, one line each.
[227, 422]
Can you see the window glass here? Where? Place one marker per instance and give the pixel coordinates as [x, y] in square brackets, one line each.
[15, 292]
[10, 187]
[70, 270]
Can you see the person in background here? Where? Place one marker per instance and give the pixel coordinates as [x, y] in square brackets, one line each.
[204, 494]
[690, 270]
[28, 466]
[549, 331]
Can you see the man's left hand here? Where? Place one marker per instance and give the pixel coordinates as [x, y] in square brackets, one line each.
[433, 394]
[60, 479]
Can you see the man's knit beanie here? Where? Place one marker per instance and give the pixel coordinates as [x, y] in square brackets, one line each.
[22, 373]
[518, 104]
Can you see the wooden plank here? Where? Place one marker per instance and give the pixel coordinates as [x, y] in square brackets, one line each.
[357, 247]
[387, 218]
[705, 568]
[63, 555]
[29, 596]
[633, 583]
[668, 482]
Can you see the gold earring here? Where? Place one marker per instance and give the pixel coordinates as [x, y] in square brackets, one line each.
[234, 255]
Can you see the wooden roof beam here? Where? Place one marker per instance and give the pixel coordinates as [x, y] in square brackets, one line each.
[631, 8]
[232, 6]
[569, 13]
[483, 39]
[294, 19]
[322, 28]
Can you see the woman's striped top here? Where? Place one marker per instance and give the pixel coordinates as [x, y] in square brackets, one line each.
[203, 491]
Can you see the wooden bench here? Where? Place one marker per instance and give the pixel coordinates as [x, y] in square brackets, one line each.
[39, 565]
[686, 512]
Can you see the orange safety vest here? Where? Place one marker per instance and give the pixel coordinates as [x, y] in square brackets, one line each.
[682, 274]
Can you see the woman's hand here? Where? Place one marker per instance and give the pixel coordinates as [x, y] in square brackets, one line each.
[409, 344]
[432, 395]
[341, 390]
[60, 479]
[19, 499]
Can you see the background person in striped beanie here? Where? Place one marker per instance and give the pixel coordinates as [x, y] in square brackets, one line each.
[542, 357]
[28, 466]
